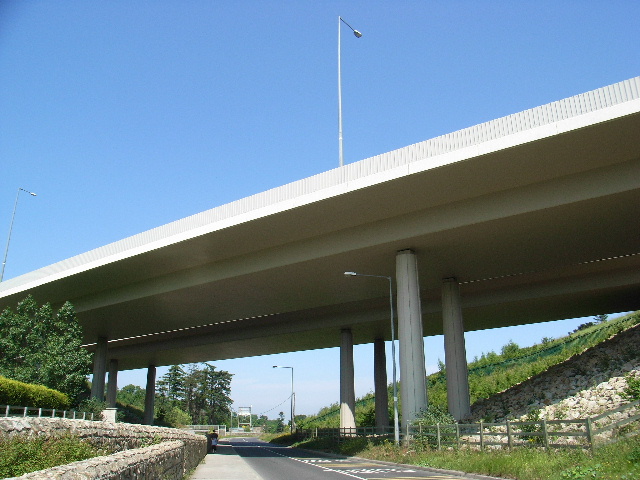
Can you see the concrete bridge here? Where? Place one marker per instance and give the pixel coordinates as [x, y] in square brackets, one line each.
[527, 218]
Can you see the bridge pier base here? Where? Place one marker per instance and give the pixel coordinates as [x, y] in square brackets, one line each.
[347, 387]
[413, 387]
[454, 350]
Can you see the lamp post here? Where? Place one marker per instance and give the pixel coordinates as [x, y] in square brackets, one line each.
[358, 35]
[293, 400]
[6, 250]
[396, 424]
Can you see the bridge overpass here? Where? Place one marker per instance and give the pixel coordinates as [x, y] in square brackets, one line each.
[527, 218]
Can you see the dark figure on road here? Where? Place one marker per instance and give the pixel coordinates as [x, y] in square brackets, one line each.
[214, 441]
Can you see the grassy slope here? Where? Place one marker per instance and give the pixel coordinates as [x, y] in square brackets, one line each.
[493, 372]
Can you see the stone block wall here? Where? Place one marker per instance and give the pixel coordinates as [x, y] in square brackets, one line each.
[174, 453]
[163, 461]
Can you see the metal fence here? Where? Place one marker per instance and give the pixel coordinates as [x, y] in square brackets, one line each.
[17, 411]
[575, 433]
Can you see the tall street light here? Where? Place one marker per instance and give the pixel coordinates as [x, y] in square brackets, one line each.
[396, 424]
[6, 250]
[358, 35]
[293, 400]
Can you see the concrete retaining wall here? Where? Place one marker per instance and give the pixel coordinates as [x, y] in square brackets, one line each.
[178, 451]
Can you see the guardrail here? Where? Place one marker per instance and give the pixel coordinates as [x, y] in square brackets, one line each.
[17, 411]
[576, 433]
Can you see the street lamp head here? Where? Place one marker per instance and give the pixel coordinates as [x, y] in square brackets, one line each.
[350, 274]
[357, 33]
[33, 194]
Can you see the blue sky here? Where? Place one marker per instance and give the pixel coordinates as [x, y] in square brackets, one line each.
[126, 115]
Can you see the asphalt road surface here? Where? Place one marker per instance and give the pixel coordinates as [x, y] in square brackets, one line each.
[273, 462]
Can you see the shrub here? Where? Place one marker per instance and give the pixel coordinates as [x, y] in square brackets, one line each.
[13, 392]
[632, 390]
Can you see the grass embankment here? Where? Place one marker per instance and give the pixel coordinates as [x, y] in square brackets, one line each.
[19, 456]
[492, 372]
[618, 461]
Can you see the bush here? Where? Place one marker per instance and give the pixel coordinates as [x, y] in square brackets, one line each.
[95, 406]
[22, 394]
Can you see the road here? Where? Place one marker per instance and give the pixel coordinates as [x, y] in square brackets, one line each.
[272, 462]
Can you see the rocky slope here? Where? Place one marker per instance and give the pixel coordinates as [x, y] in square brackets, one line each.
[582, 386]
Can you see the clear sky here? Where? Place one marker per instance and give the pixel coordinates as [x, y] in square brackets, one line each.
[126, 115]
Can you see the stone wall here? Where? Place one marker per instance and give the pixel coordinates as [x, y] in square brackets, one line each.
[163, 461]
[584, 385]
[174, 453]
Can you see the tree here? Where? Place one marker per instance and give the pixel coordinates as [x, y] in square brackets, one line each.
[44, 347]
[203, 393]
[131, 395]
[601, 318]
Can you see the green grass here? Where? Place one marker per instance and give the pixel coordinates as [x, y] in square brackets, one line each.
[618, 461]
[19, 456]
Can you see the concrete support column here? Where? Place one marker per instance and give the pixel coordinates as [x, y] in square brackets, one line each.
[413, 386]
[380, 385]
[347, 387]
[99, 369]
[454, 351]
[150, 395]
[112, 383]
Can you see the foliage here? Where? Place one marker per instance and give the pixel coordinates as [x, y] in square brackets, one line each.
[366, 417]
[632, 390]
[43, 347]
[131, 395]
[584, 326]
[510, 350]
[199, 395]
[95, 406]
[434, 414]
[579, 472]
[13, 392]
[600, 318]
[177, 417]
[20, 455]
[533, 416]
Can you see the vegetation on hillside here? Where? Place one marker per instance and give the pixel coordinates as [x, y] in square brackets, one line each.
[493, 372]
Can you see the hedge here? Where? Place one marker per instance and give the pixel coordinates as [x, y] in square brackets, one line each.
[13, 392]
